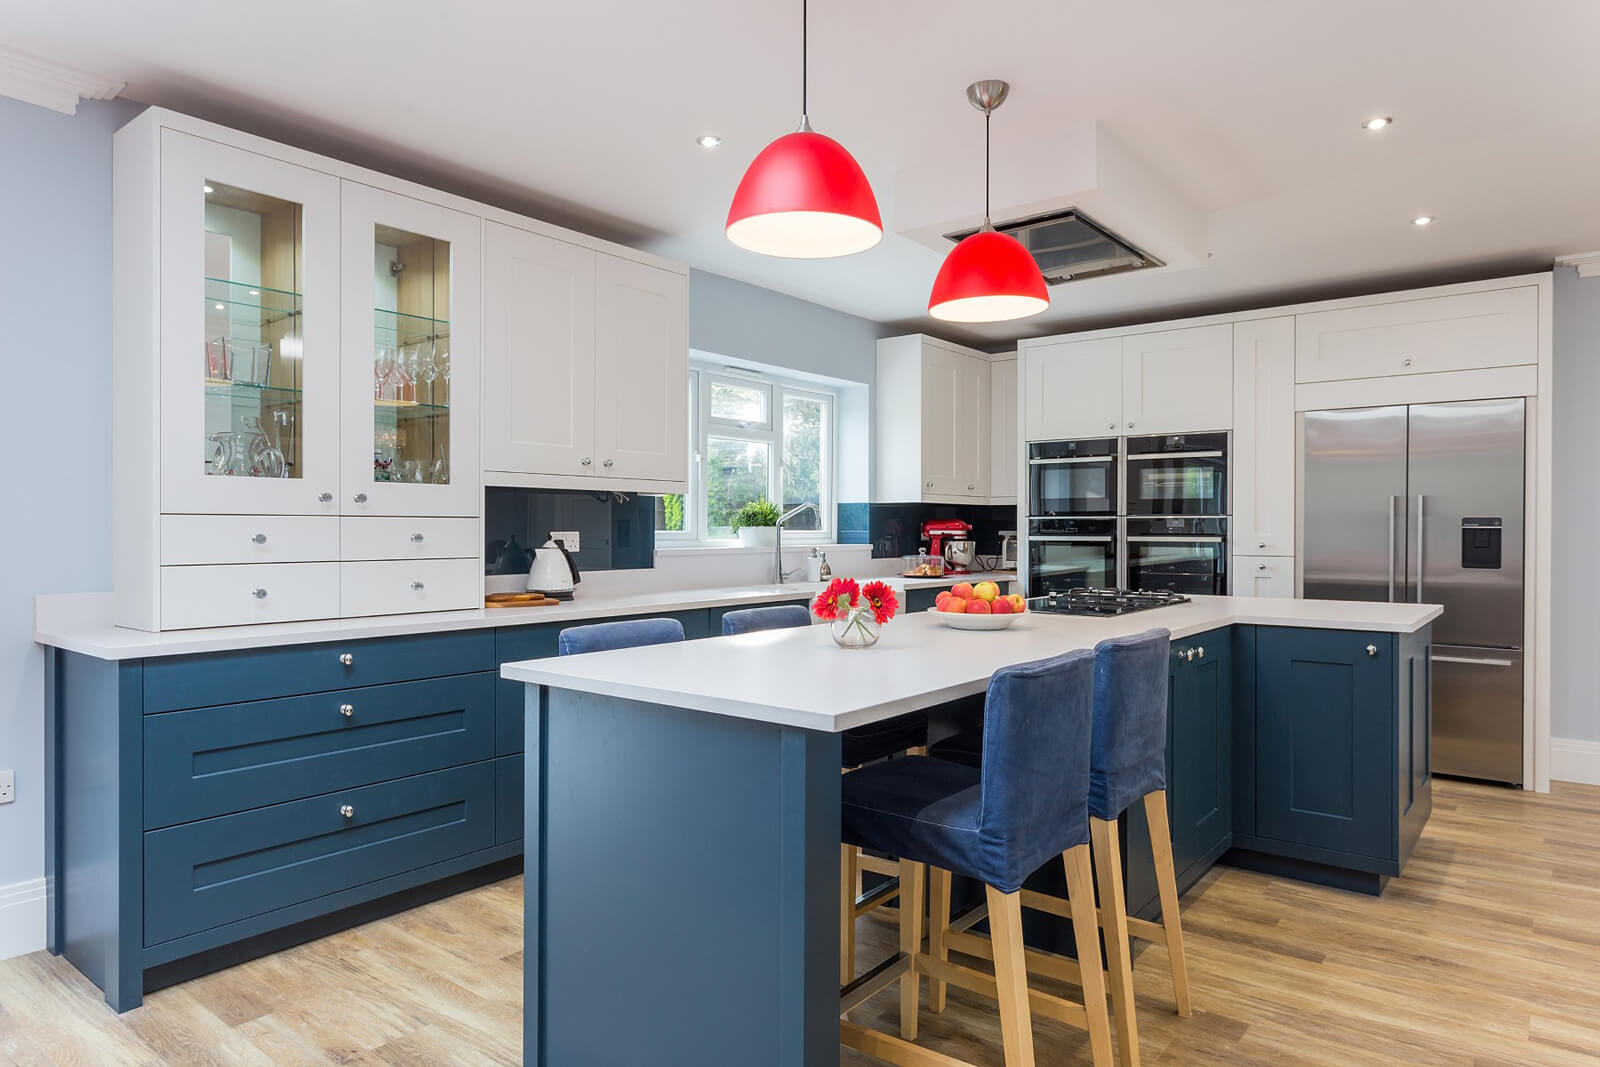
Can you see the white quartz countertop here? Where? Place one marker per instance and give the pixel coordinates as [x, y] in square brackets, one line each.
[81, 622]
[800, 678]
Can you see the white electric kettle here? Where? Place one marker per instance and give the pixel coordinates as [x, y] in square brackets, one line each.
[554, 572]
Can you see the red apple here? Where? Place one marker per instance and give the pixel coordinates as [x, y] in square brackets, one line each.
[1000, 606]
[979, 607]
[962, 590]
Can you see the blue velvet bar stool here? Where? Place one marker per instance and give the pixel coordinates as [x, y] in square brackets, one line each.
[864, 744]
[1026, 804]
[1128, 766]
[605, 636]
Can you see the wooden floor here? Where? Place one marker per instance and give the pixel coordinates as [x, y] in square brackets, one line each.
[1486, 953]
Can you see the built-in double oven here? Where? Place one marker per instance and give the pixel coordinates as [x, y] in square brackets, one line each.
[1143, 513]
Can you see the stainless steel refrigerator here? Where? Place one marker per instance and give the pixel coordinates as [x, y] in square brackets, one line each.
[1423, 503]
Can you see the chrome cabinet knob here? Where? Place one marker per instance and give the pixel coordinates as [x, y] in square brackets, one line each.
[1405, 363]
[324, 498]
[259, 594]
[259, 539]
[1130, 425]
[586, 461]
[1111, 426]
[972, 487]
[347, 810]
[1200, 652]
[347, 710]
[416, 587]
[416, 539]
[928, 485]
[1372, 650]
[361, 498]
[608, 463]
[1261, 566]
[1261, 544]
[346, 658]
[1189, 656]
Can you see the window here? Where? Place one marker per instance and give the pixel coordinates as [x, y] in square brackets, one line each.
[752, 437]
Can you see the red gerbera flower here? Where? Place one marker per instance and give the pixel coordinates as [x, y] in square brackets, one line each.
[841, 593]
[880, 597]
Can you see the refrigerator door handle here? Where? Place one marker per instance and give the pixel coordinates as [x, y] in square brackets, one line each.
[1475, 661]
[1420, 541]
[1393, 500]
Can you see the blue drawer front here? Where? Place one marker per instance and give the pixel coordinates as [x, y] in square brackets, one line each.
[205, 874]
[212, 761]
[259, 674]
[516, 643]
[508, 799]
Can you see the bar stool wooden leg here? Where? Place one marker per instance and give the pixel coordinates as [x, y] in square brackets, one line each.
[938, 926]
[1114, 915]
[1011, 976]
[911, 902]
[1155, 811]
[1086, 932]
[847, 914]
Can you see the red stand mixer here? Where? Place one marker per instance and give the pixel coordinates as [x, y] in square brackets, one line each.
[951, 539]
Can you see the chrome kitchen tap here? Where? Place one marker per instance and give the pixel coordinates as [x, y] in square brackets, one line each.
[777, 552]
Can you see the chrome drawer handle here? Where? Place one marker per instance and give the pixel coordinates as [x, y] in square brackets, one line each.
[416, 539]
[1372, 650]
[259, 594]
[1201, 652]
[347, 710]
[586, 461]
[1261, 566]
[416, 587]
[259, 539]
[348, 811]
[361, 498]
[346, 658]
[1189, 656]
[324, 498]
[608, 463]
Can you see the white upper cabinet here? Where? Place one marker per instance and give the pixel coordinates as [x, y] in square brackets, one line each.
[1003, 454]
[1263, 459]
[538, 353]
[412, 338]
[933, 421]
[248, 369]
[586, 366]
[641, 371]
[1463, 331]
[1073, 389]
[1178, 381]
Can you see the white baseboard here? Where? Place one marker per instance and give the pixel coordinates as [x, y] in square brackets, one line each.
[22, 918]
[1575, 761]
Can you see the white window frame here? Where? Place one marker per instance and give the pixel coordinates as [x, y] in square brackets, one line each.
[702, 425]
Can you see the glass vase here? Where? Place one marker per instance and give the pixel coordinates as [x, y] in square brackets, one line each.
[854, 628]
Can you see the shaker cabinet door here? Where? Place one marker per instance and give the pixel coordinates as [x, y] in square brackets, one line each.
[641, 368]
[972, 420]
[248, 400]
[1073, 389]
[410, 392]
[538, 354]
[1178, 381]
[941, 436]
[1264, 440]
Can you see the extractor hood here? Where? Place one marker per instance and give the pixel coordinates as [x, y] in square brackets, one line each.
[1070, 246]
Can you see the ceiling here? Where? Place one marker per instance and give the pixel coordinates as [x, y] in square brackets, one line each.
[586, 113]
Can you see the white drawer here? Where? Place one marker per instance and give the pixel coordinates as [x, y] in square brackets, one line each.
[248, 593]
[393, 587]
[386, 538]
[190, 539]
[1267, 576]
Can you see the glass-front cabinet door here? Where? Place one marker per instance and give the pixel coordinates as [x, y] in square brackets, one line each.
[411, 356]
[248, 399]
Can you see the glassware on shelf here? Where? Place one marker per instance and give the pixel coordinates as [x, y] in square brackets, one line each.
[217, 361]
[441, 358]
[430, 368]
[248, 362]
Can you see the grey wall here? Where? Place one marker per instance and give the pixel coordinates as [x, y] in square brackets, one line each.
[1575, 559]
[55, 298]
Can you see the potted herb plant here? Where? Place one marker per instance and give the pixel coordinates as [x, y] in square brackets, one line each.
[757, 524]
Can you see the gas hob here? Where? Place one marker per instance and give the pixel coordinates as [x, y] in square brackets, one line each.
[1104, 602]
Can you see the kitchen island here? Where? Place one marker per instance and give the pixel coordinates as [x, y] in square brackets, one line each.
[710, 770]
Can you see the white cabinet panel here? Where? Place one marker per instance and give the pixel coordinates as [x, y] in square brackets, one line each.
[1178, 381]
[375, 537]
[933, 421]
[1270, 576]
[196, 539]
[1073, 389]
[1264, 437]
[1496, 328]
[248, 593]
[971, 426]
[394, 587]
[641, 371]
[1003, 430]
[539, 349]
[942, 380]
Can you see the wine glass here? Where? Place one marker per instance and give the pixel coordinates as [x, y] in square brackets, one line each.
[442, 358]
[430, 369]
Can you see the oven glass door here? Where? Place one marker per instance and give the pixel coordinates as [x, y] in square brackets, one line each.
[1056, 564]
[1072, 487]
[1190, 565]
[1178, 485]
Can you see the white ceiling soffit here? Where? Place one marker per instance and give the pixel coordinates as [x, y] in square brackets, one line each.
[35, 80]
[1080, 165]
[1587, 264]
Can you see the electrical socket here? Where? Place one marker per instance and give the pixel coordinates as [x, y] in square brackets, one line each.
[566, 537]
[8, 786]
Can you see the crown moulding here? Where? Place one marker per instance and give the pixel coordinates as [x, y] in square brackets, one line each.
[1587, 264]
[35, 80]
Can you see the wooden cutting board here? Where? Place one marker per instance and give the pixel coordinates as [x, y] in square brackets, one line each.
[519, 600]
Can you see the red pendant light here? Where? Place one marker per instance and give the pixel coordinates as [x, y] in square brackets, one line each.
[989, 276]
[804, 196]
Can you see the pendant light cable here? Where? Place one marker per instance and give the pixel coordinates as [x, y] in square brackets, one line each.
[987, 113]
[805, 121]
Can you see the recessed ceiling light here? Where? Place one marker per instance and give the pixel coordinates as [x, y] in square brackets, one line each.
[209, 190]
[708, 140]
[1378, 122]
[1422, 220]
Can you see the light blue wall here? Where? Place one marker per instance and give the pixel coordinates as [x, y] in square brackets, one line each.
[55, 302]
[1575, 563]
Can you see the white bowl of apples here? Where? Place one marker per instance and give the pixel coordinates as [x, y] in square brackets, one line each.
[978, 607]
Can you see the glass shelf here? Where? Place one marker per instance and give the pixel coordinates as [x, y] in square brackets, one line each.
[409, 408]
[271, 305]
[238, 390]
[398, 328]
